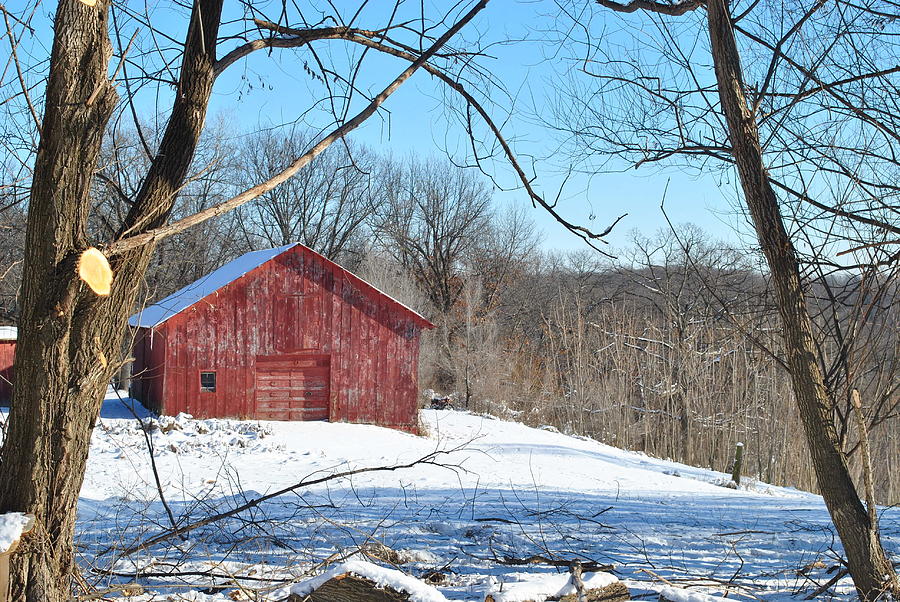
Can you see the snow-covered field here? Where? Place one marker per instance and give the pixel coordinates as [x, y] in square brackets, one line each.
[502, 491]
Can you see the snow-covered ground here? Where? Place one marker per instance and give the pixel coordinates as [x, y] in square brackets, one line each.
[501, 491]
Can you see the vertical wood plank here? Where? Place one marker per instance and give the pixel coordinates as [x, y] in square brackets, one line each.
[354, 374]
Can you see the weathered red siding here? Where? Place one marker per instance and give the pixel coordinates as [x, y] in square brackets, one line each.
[7, 357]
[301, 307]
[147, 372]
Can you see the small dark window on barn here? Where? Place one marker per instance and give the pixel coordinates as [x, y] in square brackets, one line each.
[207, 382]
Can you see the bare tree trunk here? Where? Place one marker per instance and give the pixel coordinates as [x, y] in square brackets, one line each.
[44, 454]
[870, 568]
[69, 339]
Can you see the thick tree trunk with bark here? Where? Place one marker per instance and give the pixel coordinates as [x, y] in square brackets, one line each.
[42, 464]
[70, 340]
[870, 568]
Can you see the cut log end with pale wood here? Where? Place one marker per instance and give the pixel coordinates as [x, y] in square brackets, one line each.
[94, 270]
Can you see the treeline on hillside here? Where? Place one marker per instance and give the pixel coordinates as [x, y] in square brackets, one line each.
[672, 349]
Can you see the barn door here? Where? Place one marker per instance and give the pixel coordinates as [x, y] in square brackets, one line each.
[293, 387]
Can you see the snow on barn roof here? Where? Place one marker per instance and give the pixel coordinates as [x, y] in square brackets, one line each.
[8, 333]
[159, 312]
[180, 300]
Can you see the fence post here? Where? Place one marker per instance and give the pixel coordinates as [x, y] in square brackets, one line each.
[736, 469]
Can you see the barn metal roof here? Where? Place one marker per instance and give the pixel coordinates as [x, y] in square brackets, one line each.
[159, 312]
[8, 333]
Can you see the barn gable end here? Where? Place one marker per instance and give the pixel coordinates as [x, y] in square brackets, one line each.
[286, 334]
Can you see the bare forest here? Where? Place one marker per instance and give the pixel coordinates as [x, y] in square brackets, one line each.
[670, 348]
[126, 135]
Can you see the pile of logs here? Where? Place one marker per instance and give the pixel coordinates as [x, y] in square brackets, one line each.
[364, 582]
[350, 588]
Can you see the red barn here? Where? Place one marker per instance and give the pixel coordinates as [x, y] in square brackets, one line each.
[281, 334]
[7, 357]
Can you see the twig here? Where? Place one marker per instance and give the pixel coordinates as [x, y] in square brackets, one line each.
[98, 89]
[868, 246]
[823, 588]
[12, 46]
[866, 460]
[746, 532]
[211, 574]
[657, 576]
[589, 566]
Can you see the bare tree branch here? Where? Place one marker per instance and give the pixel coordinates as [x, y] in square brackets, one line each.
[156, 234]
[675, 9]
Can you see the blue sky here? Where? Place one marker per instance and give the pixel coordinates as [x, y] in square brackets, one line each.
[273, 89]
[270, 88]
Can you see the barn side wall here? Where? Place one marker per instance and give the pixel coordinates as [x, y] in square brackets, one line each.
[7, 358]
[147, 370]
[296, 305]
